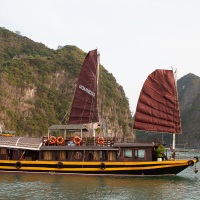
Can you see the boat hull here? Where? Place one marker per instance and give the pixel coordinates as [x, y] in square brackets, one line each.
[97, 168]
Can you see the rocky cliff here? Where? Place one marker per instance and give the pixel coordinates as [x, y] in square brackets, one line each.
[189, 96]
[37, 86]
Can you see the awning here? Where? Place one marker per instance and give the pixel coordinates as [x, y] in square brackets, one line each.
[69, 128]
[20, 142]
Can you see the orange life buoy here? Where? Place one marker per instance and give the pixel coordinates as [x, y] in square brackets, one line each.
[60, 140]
[52, 140]
[100, 140]
[77, 140]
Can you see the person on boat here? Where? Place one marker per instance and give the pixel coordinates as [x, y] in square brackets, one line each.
[165, 156]
[173, 155]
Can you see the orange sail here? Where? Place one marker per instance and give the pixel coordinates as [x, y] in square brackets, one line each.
[158, 109]
[84, 107]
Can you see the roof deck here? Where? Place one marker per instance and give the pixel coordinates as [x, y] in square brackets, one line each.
[70, 143]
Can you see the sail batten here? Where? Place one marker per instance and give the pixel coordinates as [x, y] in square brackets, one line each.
[84, 106]
[157, 109]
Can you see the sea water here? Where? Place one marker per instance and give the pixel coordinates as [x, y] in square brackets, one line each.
[185, 185]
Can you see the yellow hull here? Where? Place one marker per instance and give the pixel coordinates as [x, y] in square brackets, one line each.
[126, 168]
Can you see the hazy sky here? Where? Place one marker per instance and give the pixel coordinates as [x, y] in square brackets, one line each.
[134, 37]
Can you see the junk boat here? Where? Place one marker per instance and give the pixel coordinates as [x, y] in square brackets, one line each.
[67, 150]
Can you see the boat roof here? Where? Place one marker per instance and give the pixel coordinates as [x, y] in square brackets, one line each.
[132, 144]
[78, 148]
[69, 128]
[31, 143]
[20, 142]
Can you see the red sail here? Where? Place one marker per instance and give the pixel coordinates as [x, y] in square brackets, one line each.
[158, 108]
[84, 106]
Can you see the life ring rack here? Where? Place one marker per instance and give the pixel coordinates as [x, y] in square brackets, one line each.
[60, 140]
[100, 140]
[77, 140]
[52, 140]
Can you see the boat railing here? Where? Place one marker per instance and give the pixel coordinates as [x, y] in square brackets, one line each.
[86, 141]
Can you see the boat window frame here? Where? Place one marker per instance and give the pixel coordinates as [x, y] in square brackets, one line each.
[3, 151]
[130, 151]
[137, 153]
[103, 155]
[78, 155]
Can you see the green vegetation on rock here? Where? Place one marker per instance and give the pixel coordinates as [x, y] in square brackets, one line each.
[37, 86]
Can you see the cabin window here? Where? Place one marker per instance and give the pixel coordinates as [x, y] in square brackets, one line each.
[78, 155]
[91, 156]
[103, 155]
[61, 155]
[48, 155]
[139, 153]
[3, 151]
[112, 155]
[56, 156]
[100, 155]
[96, 155]
[128, 153]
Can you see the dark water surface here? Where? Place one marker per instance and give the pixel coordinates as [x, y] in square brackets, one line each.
[185, 185]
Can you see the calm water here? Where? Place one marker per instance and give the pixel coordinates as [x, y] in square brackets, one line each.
[185, 185]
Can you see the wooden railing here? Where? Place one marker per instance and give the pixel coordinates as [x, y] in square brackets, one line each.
[89, 141]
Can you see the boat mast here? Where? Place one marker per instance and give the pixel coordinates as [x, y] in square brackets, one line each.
[98, 63]
[174, 135]
[173, 141]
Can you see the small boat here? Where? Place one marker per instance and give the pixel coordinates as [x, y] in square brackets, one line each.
[71, 149]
